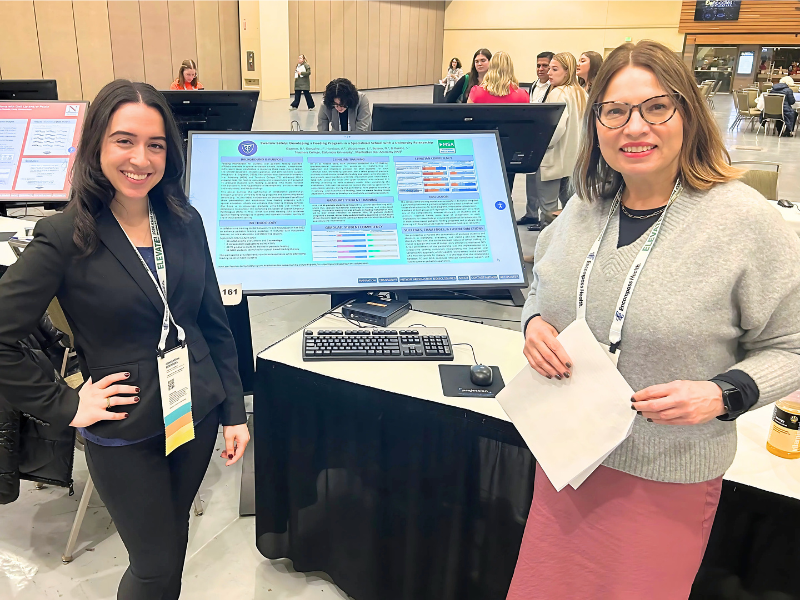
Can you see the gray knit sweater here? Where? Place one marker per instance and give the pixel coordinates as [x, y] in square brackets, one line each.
[720, 290]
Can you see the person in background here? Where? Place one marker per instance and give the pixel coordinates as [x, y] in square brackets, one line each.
[551, 182]
[462, 87]
[187, 77]
[454, 73]
[709, 332]
[538, 94]
[588, 65]
[128, 243]
[789, 114]
[500, 85]
[302, 83]
[344, 108]
[541, 86]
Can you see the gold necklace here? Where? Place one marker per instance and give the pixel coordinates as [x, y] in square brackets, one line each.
[650, 216]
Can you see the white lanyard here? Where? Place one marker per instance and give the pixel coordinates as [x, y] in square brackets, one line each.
[615, 336]
[161, 284]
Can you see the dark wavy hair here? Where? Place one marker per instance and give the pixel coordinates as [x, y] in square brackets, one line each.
[344, 90]
[91, 192]
[450, 64]
[473, 73]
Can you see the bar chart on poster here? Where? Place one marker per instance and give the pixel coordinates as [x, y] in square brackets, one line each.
[38, 143]
[289, 211]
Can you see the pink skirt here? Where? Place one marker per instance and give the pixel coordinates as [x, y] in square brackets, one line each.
[617, 537]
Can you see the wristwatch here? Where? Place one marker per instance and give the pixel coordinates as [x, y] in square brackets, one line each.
[732, 399]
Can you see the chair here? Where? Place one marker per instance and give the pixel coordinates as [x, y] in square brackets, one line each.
[713, 92]
[773, 112]
[752, 96]
[743, 111]
[763, 181]
[705, 90]
[765, 86]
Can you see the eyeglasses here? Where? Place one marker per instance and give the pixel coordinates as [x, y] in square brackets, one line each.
[339, 105]
[655, 110]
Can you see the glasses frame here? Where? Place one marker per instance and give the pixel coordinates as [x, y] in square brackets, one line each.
[598, 106]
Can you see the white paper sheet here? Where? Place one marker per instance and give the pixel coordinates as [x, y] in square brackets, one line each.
[572, 425]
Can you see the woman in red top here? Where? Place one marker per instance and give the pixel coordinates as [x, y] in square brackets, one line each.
[499, 85]
[187, 77]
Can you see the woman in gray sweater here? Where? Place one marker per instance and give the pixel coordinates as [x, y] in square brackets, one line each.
[693, 280]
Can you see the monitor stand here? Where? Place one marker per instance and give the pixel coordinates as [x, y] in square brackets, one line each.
[516, 295]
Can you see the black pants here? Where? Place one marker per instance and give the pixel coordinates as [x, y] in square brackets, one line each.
[149, 496]
[307, 94]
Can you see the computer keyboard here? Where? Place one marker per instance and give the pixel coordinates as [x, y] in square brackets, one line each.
[430, 343]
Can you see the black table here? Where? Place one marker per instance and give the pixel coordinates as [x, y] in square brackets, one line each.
[396, 497]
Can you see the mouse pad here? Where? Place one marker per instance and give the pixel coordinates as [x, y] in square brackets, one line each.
[456, 382]
[7, 235]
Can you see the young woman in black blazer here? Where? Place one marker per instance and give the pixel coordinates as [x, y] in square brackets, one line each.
[130, 157]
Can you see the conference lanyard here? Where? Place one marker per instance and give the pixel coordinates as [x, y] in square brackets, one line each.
[174, 375]
[161, 283]
[615, 336]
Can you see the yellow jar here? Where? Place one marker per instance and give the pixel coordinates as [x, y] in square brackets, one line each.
[784, 432]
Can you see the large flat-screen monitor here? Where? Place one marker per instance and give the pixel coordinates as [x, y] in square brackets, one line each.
[339, 212]
[525, 129]
[28, 89]
[38, 141]
[212, 110]
[717, 10]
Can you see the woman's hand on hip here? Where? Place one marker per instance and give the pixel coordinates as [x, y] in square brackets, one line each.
[544, 352]
[236, 439]
[680, 402]
[97, 398]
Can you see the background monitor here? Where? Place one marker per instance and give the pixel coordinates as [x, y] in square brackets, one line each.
[28, 89]
[38, 141]
[362, 211]
[213, 110]
[717, 10]
[525, 129]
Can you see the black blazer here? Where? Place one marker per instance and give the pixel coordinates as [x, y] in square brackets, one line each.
[115, 313]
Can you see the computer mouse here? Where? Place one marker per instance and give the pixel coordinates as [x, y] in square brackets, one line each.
[480, 375]
[785, 203]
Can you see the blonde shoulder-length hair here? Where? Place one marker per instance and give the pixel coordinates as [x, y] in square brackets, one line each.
[703, 159]
[499, 79]
[572, 86]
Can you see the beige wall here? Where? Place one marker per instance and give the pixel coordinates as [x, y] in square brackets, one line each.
[374, 43]
[524, 29]
[85, 44]
[275, 48]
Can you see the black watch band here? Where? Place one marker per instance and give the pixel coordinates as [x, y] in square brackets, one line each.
[732, 399]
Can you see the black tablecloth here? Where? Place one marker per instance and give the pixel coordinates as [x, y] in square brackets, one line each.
[397, 498]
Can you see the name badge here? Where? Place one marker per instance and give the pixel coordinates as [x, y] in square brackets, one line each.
[176, 396]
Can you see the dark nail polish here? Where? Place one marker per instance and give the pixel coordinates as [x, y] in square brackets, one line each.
[566, 375]
[569, 365]
[549, 376]
[136, 399]
[127, 375]
[558, 376]
[633, 408]
[649, 420]
[633, 399]
[137, 390]
[230, 456]
[638, 412]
